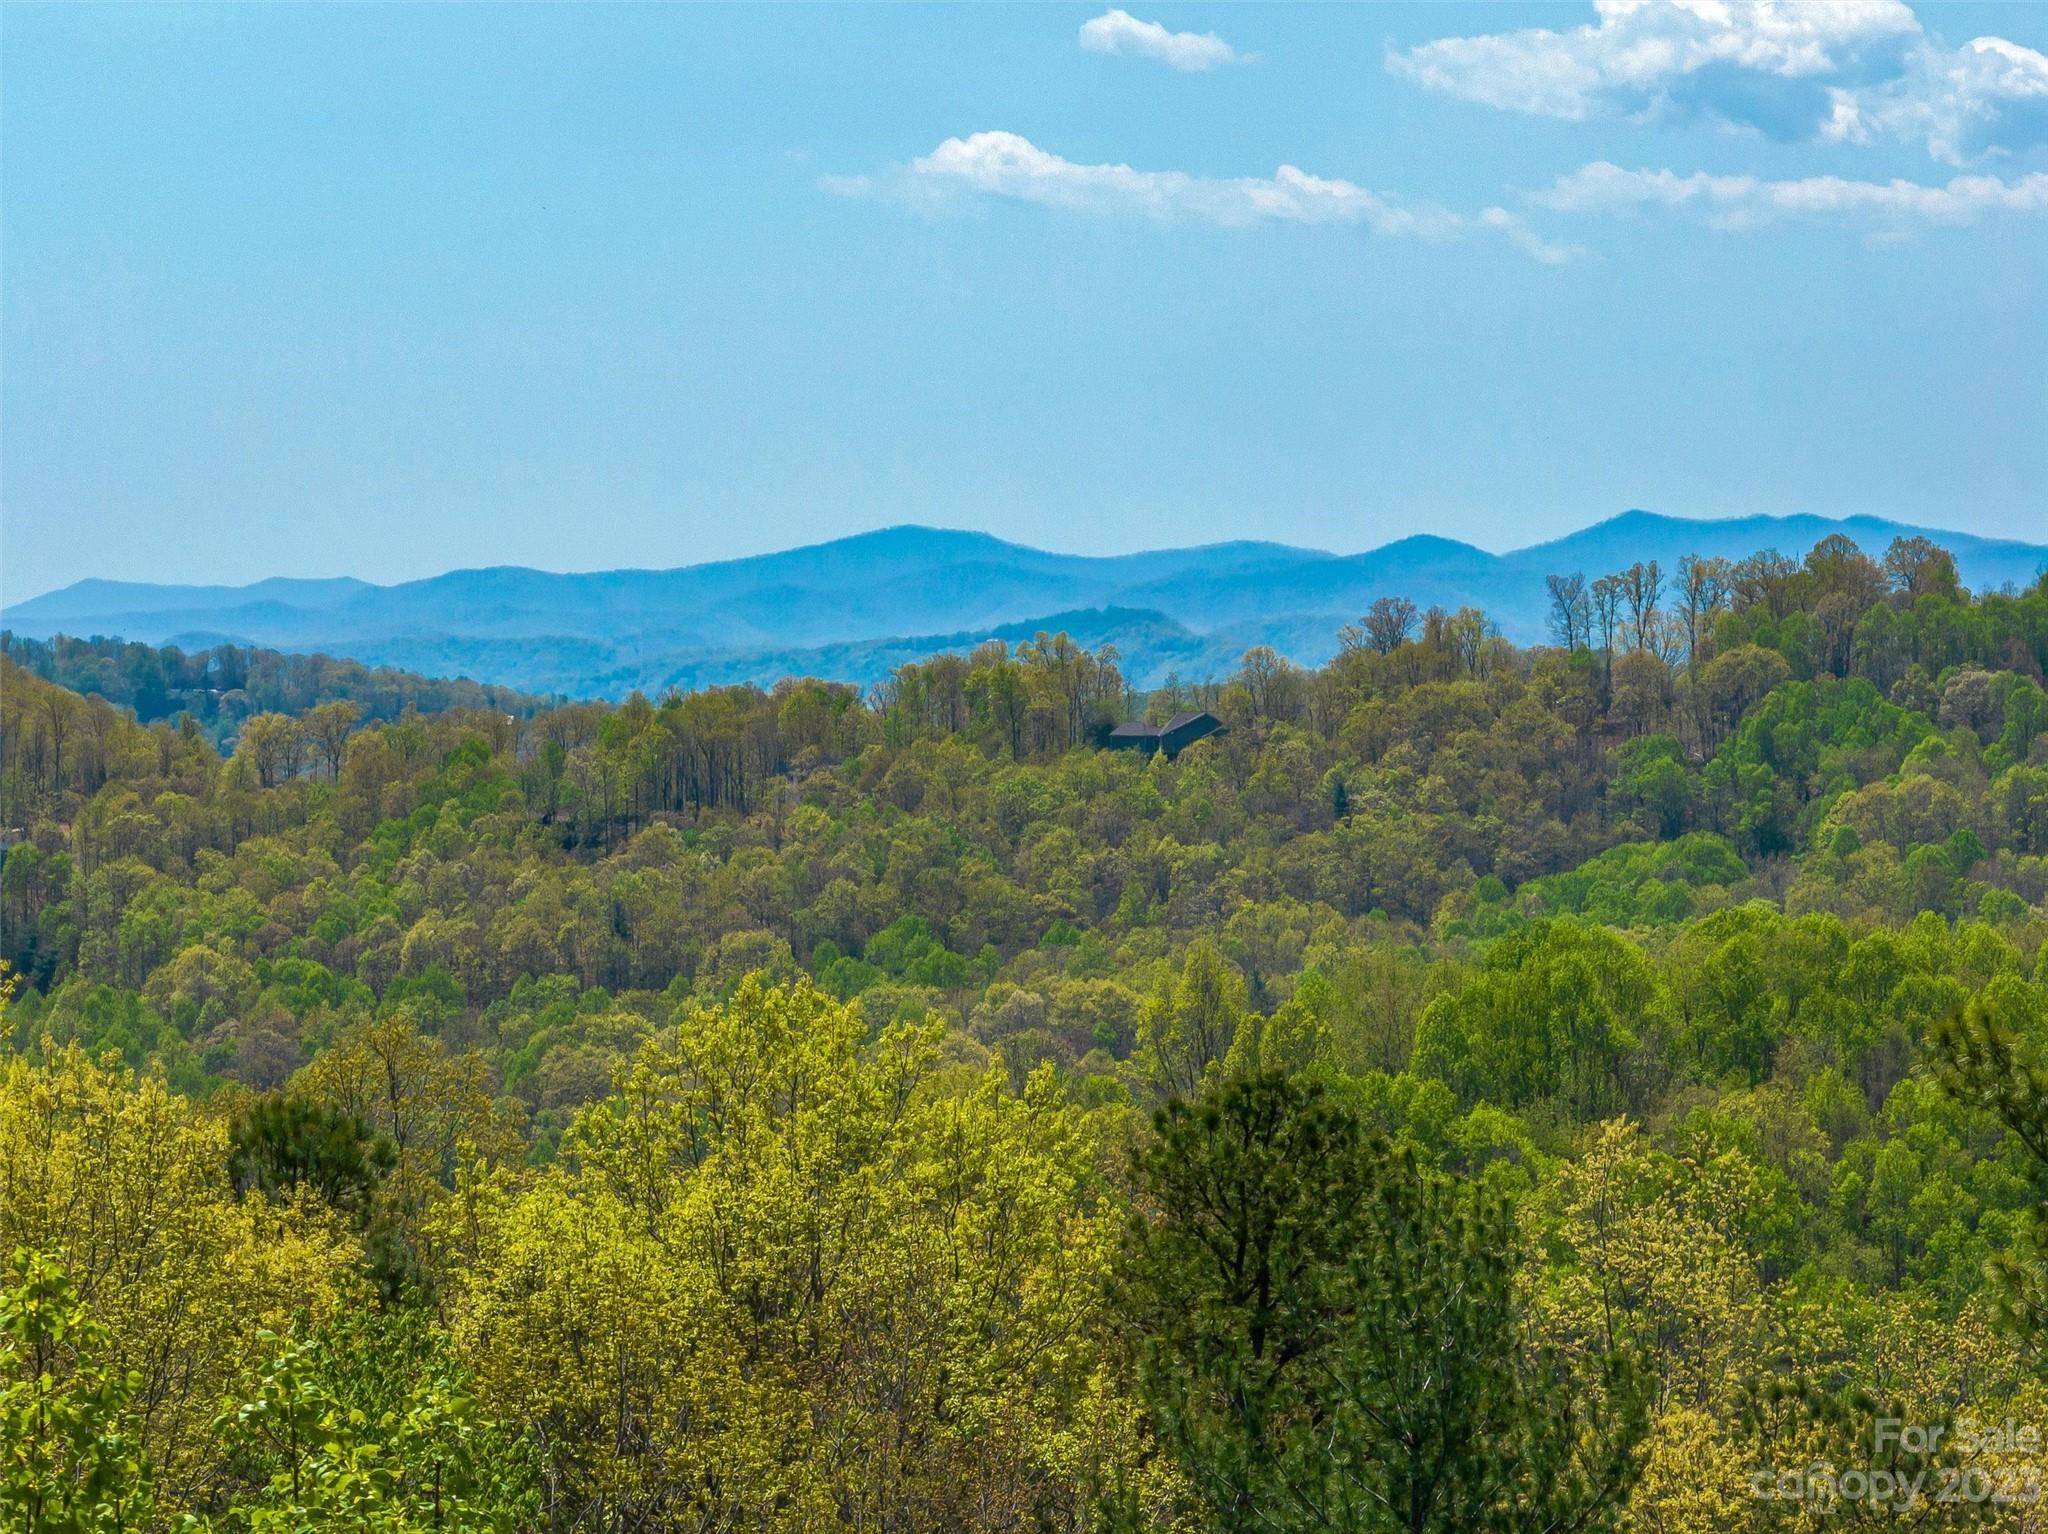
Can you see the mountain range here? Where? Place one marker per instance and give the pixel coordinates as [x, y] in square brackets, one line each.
[855, 608]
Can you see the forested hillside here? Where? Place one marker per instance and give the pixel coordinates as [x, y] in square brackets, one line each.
[1583, 1086]
[221, 688]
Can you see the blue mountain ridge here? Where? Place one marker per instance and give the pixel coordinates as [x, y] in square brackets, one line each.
[854, 608]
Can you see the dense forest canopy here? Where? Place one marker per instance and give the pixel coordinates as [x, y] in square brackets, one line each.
[1584, 1086]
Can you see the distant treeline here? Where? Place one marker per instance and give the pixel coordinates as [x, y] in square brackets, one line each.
[223, 686]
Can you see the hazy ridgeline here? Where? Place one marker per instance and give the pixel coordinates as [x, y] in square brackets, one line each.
[1499, 1087]
[856, 609]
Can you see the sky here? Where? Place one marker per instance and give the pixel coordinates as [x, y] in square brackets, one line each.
[389, 290]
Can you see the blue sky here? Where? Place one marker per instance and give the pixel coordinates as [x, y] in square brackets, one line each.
[385, 290]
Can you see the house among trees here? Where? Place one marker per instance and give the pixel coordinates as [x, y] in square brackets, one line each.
[1172, 737]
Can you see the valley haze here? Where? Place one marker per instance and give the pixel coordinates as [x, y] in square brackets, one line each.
[855, 608]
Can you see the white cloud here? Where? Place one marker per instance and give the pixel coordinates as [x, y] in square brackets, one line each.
[1526, 240]
[1120, 32]
[1008, 165]
[1855, 71]
[1883, 209]
[1638, 51]
[1986, 96]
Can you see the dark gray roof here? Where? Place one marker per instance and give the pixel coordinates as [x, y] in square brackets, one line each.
[1207, 723]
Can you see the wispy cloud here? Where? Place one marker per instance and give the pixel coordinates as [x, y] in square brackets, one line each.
[1843, 70]
[1884, 210]
[1010, 166]
[1120, 32]
[1517, 232]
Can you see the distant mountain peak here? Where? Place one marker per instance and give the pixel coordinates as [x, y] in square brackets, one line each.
[1427, 544]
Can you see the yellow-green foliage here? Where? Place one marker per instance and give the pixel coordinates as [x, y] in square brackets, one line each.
[783, 1279]
[127, 1182]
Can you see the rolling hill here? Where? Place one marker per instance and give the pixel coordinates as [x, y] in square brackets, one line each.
[854, 608]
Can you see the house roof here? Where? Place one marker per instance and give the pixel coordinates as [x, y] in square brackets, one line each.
[1137, 729]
